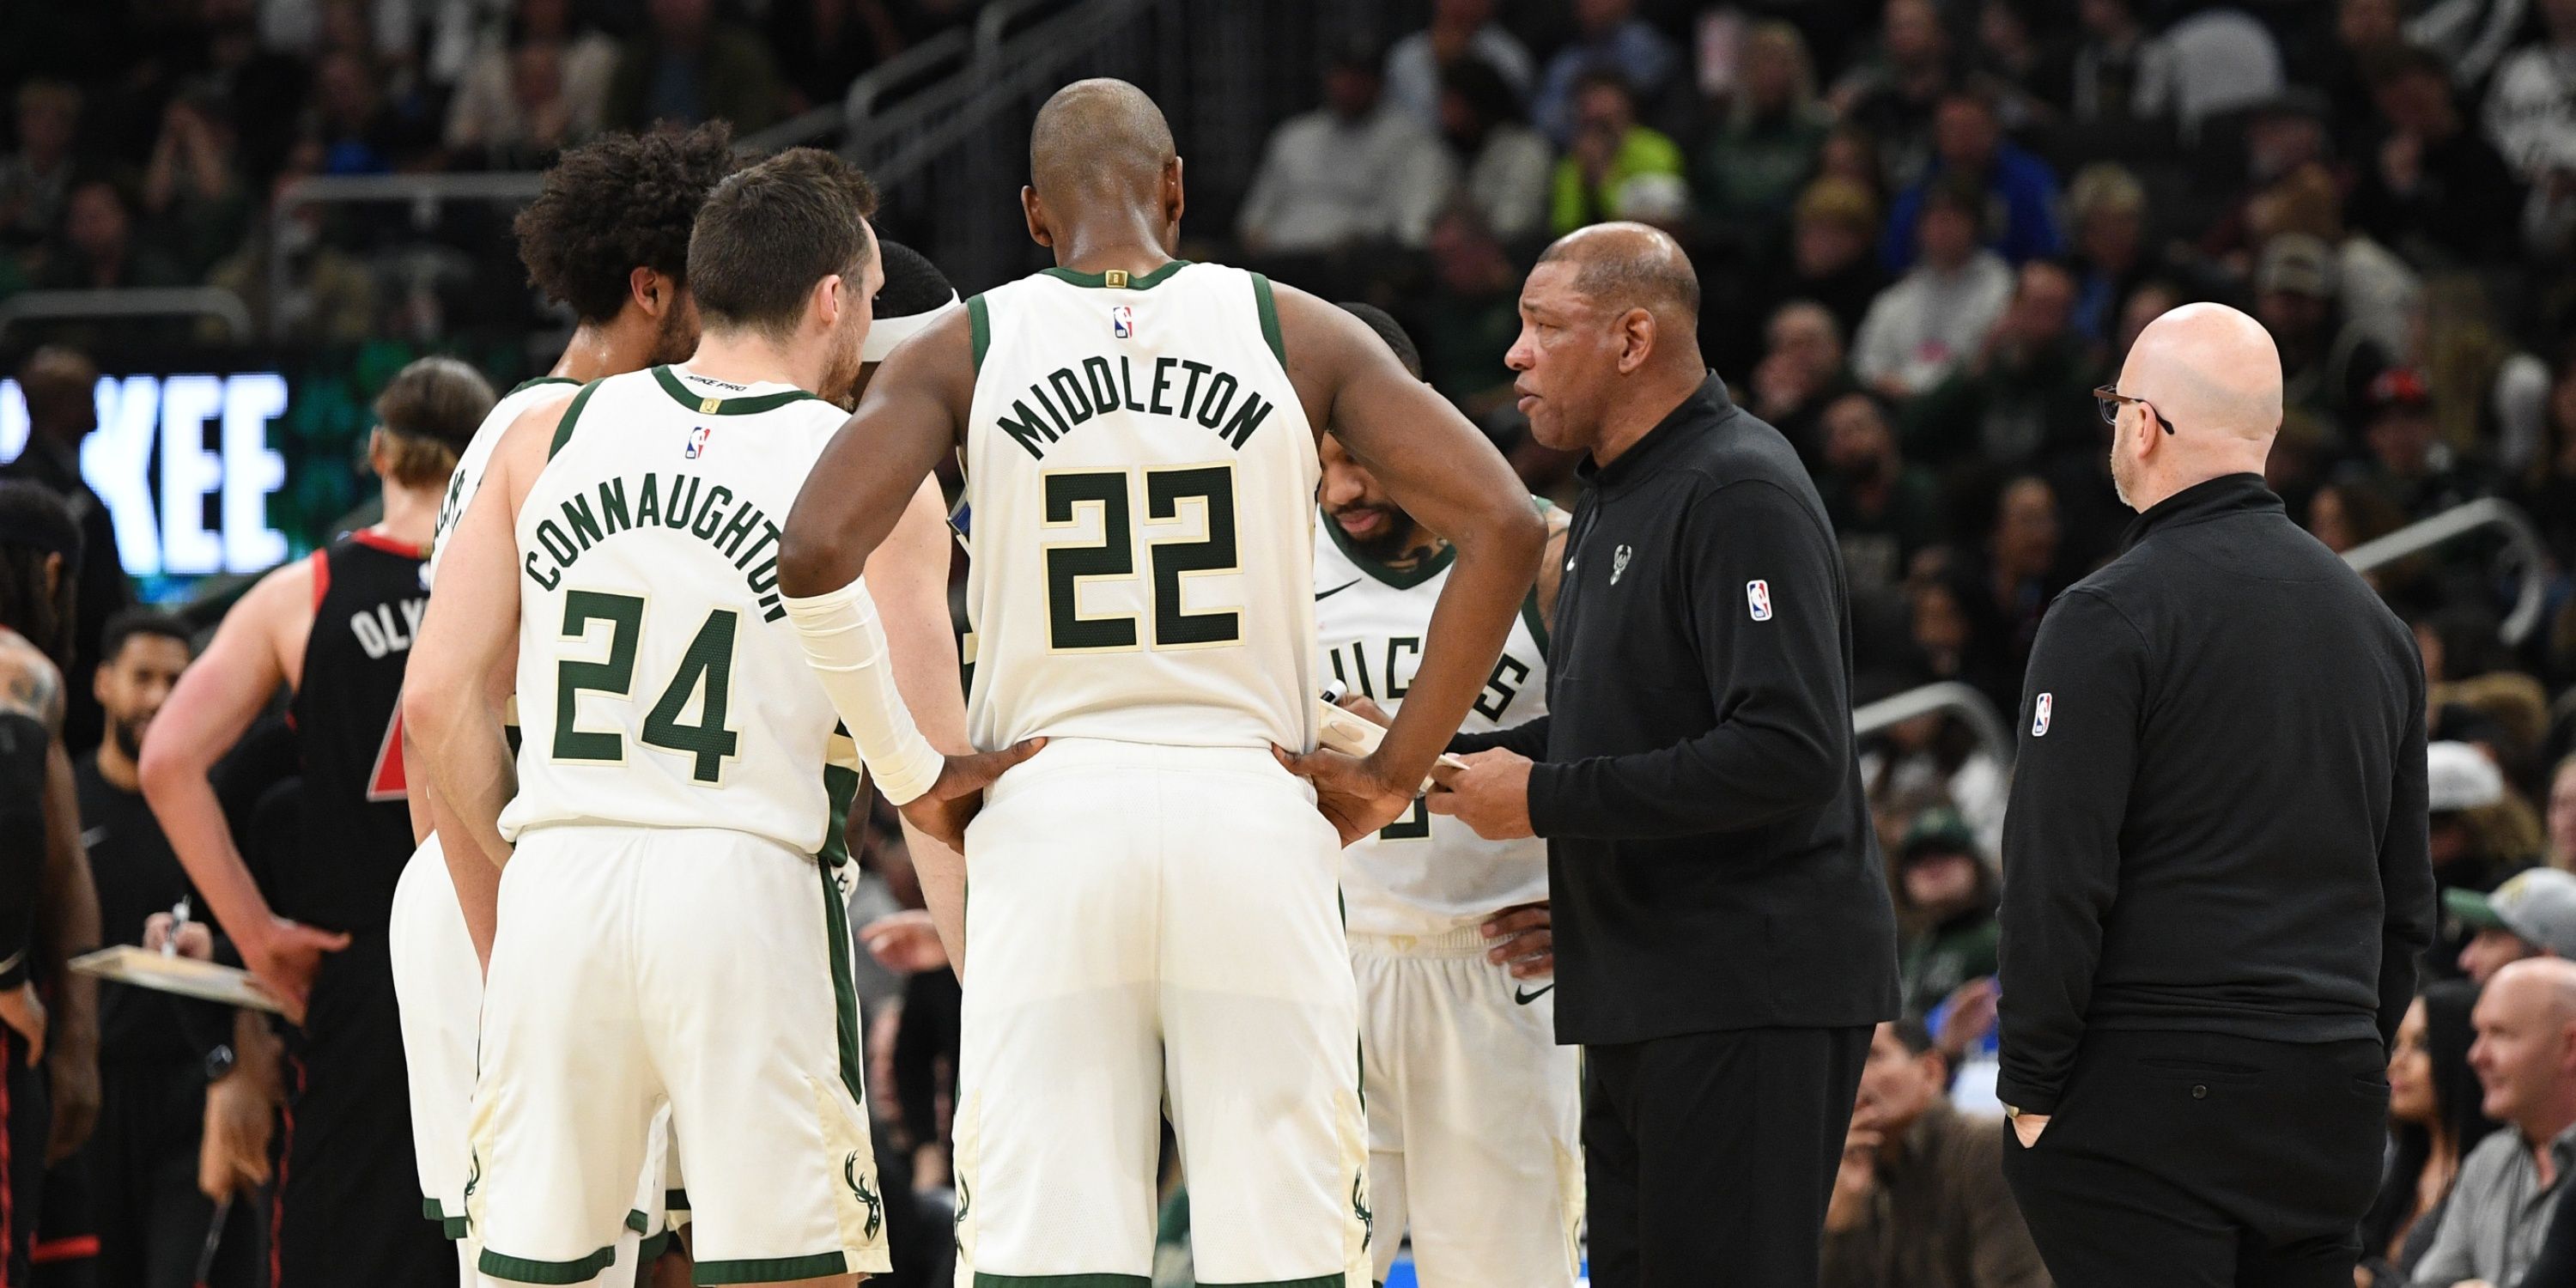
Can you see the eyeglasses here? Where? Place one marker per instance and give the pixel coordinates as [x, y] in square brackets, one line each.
[2109, 400]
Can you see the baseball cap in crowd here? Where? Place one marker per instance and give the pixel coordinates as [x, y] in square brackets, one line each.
[2459, 776]
[915, 294]
[1938, 830]
[2398, 388]
[2298, 264]
[2537, 907]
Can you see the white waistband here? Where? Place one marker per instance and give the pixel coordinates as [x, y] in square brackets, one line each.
[1465, 941]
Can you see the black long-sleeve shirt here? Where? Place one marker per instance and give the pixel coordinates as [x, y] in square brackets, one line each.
[2218, 816]
[1710, 858]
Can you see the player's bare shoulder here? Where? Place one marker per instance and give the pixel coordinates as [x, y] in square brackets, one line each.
[1320, 340]
[30, 684]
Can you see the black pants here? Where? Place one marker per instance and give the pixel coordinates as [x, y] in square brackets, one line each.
[26, 1123]
[2191, 1160]
[348, 1207]
[1709, 1156]
[152, 1221]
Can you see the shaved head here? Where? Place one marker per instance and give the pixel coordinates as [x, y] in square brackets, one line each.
[2213, 376]
[1622, 266]
[2543, 986]
[1099, 138]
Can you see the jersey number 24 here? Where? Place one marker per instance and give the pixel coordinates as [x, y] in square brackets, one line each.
[708, 663]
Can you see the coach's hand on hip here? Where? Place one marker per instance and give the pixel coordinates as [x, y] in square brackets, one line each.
[1490, 795]
[2027, 1128]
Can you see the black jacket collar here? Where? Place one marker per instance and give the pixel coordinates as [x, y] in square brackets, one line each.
[2227, 494]
[1705, 407]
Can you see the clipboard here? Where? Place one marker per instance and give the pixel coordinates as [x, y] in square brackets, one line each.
[185, 976]
[1354, 735]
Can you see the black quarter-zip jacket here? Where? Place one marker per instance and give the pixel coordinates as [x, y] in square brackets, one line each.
[1710, 857]
[2217, 821]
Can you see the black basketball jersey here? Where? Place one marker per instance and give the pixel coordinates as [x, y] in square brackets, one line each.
[367, 604]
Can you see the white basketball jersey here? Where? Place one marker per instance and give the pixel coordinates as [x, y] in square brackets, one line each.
[468, 478]
[660, 684]
[1424, 874]
[1141, 480]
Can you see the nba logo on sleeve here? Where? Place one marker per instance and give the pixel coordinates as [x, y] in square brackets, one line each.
[1122, 322]
[697, 442]
[2046, 703]
[1757, 599]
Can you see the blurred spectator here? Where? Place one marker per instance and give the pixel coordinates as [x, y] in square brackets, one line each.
[1931, 761]
[329, 299]
[2151, 300]
[35, 180]
[2408, 462]
[543, 88]
[2121, 72]
[2525, 1057]
[2460, 781]
[1968, 142]
[2026, 393]
[2223, 62]
[1945, 901]
[1802, 369]
[2344, 515]
[1471, 315]
[2531, 107]
[2021, 67]
[1938, 314]
[2433, 189]
[1885, 510]
[1920, 1200]
[1506, 164]
[266, 87]
[2327, 364]
[2365, 32]
[348, 115]
[1610, 40]
[2433, 1114]
[1892, 95]
[2546, 486]
[61, 391]
[2562, 815]
[98, 249]
[192, 193]
[2532, 914]
[1353, 170]
[2490, 398]
[2470, 35]
[2006, 588]
[2108, 208]
[823, 45]
[689, 66]
[1460, 31]
[1615, 168]
[1763, 148]
[1833, 233]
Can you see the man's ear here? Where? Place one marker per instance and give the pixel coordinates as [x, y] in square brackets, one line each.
[649, 290]
[1034, 211]
[827, 299]
[53, 575]
[1636, 339]
[1174, 200]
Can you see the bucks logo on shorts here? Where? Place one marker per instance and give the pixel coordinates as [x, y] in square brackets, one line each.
[860, 1191]
[1360, 1209]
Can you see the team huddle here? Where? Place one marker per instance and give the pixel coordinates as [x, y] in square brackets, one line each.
[702, 599]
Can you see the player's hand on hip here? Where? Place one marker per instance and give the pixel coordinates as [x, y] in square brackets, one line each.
[1524, 938]
[943, 812]
[1489, 794]
[24, 1013]
[285, 957]
[1351, 791]
[905, 941]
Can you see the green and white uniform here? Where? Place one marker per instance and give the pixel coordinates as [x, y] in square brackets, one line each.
[1473, 1109]
[667, 932]
[1153, 915]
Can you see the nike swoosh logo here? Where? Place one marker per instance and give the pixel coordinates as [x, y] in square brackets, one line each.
[1328, 594]
[1525, 996]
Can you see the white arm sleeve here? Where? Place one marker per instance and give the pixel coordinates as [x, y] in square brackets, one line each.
[848, 649]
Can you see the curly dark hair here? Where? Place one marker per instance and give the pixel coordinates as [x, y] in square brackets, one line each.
[616, 203]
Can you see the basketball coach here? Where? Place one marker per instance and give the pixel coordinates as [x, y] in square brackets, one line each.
[2216, 875]
[1723, 937]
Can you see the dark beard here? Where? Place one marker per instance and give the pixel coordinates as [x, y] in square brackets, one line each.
[1391, 546]
[129, 738]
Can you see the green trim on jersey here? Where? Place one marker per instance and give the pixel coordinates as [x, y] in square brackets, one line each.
[1123, 281]
[1531, 618]
[529, 1270]
[845, 997]
[563, 428]
[452, 1227]
[979, 324]
[987, 1279]
[1400, 579]
[636, 1221]
[1269, 307]
[761, 1270]
[745, 406]
[526, 385]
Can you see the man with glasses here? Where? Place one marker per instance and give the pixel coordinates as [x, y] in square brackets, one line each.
[2219, 872]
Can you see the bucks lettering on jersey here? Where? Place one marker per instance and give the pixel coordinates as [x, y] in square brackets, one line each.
[1424, 874]
[658, 685]
[1142, 479]
[477, 457]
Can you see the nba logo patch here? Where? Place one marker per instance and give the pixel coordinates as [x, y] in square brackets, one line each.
[697, 442]
[2040, 708]
[1757, 599]
[1122, 322]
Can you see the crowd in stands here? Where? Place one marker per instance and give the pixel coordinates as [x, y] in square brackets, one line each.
[1925, 230]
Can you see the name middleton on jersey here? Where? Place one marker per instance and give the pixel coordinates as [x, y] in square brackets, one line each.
[1079, 397]
[739, 532]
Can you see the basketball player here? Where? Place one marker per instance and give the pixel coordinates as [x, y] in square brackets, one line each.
[48, 906]
[607, 237]
[336, 630]
[666, 933]
[1154, 910]
[1474, 1110]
